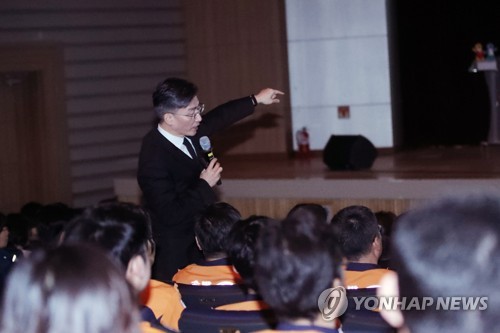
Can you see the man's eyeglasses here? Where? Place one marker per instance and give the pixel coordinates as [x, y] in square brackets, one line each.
[198, 110]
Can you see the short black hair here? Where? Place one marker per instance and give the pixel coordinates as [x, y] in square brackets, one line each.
[293, 269]
[172, 94]
[308, 219]
[73, 288]
[355, 228]
[450, 247]
[242, 243]
[213, 225]
[123, 230]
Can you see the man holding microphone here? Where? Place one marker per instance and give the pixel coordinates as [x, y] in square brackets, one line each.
[175, 181]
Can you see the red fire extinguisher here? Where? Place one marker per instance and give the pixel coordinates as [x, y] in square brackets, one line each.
[303, 142]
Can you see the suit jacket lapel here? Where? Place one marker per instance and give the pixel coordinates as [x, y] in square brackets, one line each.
[198, 161]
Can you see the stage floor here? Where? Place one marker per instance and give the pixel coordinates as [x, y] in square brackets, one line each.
[458, 162]
[398, 181]
[412, 174]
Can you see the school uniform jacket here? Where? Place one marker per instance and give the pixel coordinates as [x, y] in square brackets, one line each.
[208, 273]
[363, 275]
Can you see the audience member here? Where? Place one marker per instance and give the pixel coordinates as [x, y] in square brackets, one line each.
[68, 289]
[21, 232]
[242, 241]
[51, 220]
[8, 254]
[211, 230]
[30, 209]
[124, 232]
[159, 296]
[448, 249]
[292, 270]
[386, 220]
[311, 216]
[357, 231]
[30, 212]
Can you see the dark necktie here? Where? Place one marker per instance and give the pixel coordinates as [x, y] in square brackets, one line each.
[189, 147]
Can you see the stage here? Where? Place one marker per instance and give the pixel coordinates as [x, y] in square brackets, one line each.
[397, 181]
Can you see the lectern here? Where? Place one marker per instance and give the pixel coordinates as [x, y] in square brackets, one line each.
[489, 68]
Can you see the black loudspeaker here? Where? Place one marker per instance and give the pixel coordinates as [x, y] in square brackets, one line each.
[349, 152]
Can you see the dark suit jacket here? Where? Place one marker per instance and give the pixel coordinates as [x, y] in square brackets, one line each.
[173, 191]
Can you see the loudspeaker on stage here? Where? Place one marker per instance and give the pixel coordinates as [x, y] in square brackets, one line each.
[349, 152]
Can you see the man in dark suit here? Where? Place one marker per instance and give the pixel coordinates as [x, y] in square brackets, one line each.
[176, 182]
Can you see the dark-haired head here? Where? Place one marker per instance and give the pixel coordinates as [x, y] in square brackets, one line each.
[309, 211]
[449, 248]
[242, 243]
[172, 94]
[213, 225]
[68, 289]
[308, 219]
[355, 229]
[122, 230]
[292, 270]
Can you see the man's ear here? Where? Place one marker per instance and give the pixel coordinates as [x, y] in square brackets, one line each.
[138, 272]
[389, 287]
[167, 118]
[377, 245]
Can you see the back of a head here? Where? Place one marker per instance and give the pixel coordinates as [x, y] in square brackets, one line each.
[308, 218]
[386, 219]
[309, 211]
[355, 228]
[55, 212]
[30, 209]
[19, 230]
[292, 270]
[51, 221]
[451, 248]
[213, 225]
[242, 243]
[69, 289]
[121, 229]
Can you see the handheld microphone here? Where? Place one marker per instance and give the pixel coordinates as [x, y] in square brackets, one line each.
[207, 148]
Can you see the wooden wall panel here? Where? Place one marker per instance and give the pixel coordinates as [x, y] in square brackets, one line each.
[115, 53]
[111, 86]
[279, 207]
[34, 141]
[235, 48]
[79, 36]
